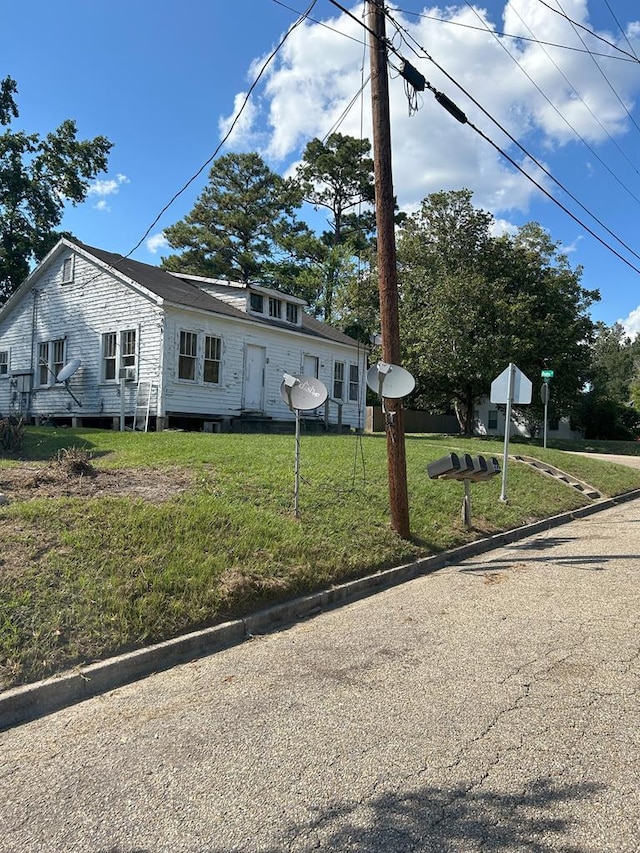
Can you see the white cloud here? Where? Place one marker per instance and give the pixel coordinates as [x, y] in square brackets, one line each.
[102, 205]
[631, 323]
[108, 186]
[156, 242]
[431, 150]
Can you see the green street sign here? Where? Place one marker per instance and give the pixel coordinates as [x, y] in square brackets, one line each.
[547, 374]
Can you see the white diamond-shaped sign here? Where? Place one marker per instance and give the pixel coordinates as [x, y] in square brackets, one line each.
[521, 387]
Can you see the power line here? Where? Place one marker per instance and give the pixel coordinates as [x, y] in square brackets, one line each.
[625, 58]
[563, 117]
[591, 32]
[606, 79]
[624, 34]
[319, 23]
[231, 127]
[461, 117]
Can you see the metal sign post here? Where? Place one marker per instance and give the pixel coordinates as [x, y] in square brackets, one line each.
[512, 386]
[547, 375]
[507, 433]
[544, 396]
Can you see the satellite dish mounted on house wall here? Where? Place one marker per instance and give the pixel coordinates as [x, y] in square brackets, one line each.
[66, 373]
[68, 370]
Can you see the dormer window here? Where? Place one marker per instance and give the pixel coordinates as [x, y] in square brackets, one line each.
[275, 308]
[67, 270]
[292, 313]
[256, 302]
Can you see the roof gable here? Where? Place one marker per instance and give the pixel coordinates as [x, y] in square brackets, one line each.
[176, 290]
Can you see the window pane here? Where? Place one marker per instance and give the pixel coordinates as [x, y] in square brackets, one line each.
[188, 352]
[58, 358]
[338, 380]
[67, 270]
[292, 313]
[43, 364]
[109, 355]
[354, 384]
[4, 362]
[212, 349]
[275, 307]
[128, 348]
[256, 302]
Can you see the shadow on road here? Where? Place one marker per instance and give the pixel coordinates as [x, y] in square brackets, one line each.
[433, 820]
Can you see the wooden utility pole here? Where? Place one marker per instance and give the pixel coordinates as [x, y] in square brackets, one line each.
[387, 271]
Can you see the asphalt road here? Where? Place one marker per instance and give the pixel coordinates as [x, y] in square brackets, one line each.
[490, 706]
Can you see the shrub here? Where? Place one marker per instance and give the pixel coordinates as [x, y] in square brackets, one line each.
[11, 434]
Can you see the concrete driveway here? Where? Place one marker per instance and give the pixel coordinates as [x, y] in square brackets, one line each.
[490, 706]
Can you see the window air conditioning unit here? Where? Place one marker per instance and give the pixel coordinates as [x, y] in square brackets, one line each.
[127, 373]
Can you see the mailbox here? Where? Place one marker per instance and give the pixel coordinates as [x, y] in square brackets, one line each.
[465, 468]
[444, 468]
[484, 469]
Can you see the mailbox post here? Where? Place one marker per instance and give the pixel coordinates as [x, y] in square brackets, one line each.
[465, 468]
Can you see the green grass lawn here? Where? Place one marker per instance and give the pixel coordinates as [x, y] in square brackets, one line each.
[84, 578]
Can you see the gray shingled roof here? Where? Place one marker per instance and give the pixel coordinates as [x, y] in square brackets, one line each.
[184, 292]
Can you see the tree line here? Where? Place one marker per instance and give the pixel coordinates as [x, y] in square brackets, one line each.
[470, 301]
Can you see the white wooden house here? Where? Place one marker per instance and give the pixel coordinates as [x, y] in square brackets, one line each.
[489, 419]
[190, 352]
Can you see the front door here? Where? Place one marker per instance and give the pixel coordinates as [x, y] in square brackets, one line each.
[253, 392]
[311, 365]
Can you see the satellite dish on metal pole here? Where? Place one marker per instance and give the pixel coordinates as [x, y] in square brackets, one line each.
[390, 381]
[301, 393]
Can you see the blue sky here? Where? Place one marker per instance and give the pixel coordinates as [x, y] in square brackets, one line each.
[162, 80]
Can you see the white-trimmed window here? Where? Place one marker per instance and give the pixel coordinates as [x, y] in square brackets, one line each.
[51, 356]
[128, 349]
[292, 313]
[187, 356]
[275, 307]
[256, 302]
[4, 363]
[109, 356]
[338, 380]
[354, 382]
[492, 420]
[212, 353]
[67, 270]
[118, 352]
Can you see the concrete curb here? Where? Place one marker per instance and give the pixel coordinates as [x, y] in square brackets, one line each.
[31, 701]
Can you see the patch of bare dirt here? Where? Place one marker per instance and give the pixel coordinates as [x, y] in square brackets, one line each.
[56, 480]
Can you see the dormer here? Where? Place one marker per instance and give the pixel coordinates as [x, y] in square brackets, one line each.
[265, 302]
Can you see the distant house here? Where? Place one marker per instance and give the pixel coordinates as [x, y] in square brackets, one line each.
[92, 338]
[489, 420]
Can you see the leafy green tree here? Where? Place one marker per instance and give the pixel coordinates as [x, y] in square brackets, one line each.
[612, 369]
[608, 409]
[37, 178]
[243, 226]
[337, 175]
[471, 303]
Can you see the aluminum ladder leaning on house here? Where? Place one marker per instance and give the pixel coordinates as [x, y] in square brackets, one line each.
[144, 394]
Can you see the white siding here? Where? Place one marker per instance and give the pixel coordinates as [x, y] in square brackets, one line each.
[80, 312]
[97, 302]
[285, 352]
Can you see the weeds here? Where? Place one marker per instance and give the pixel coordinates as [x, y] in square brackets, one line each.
[11, 435]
